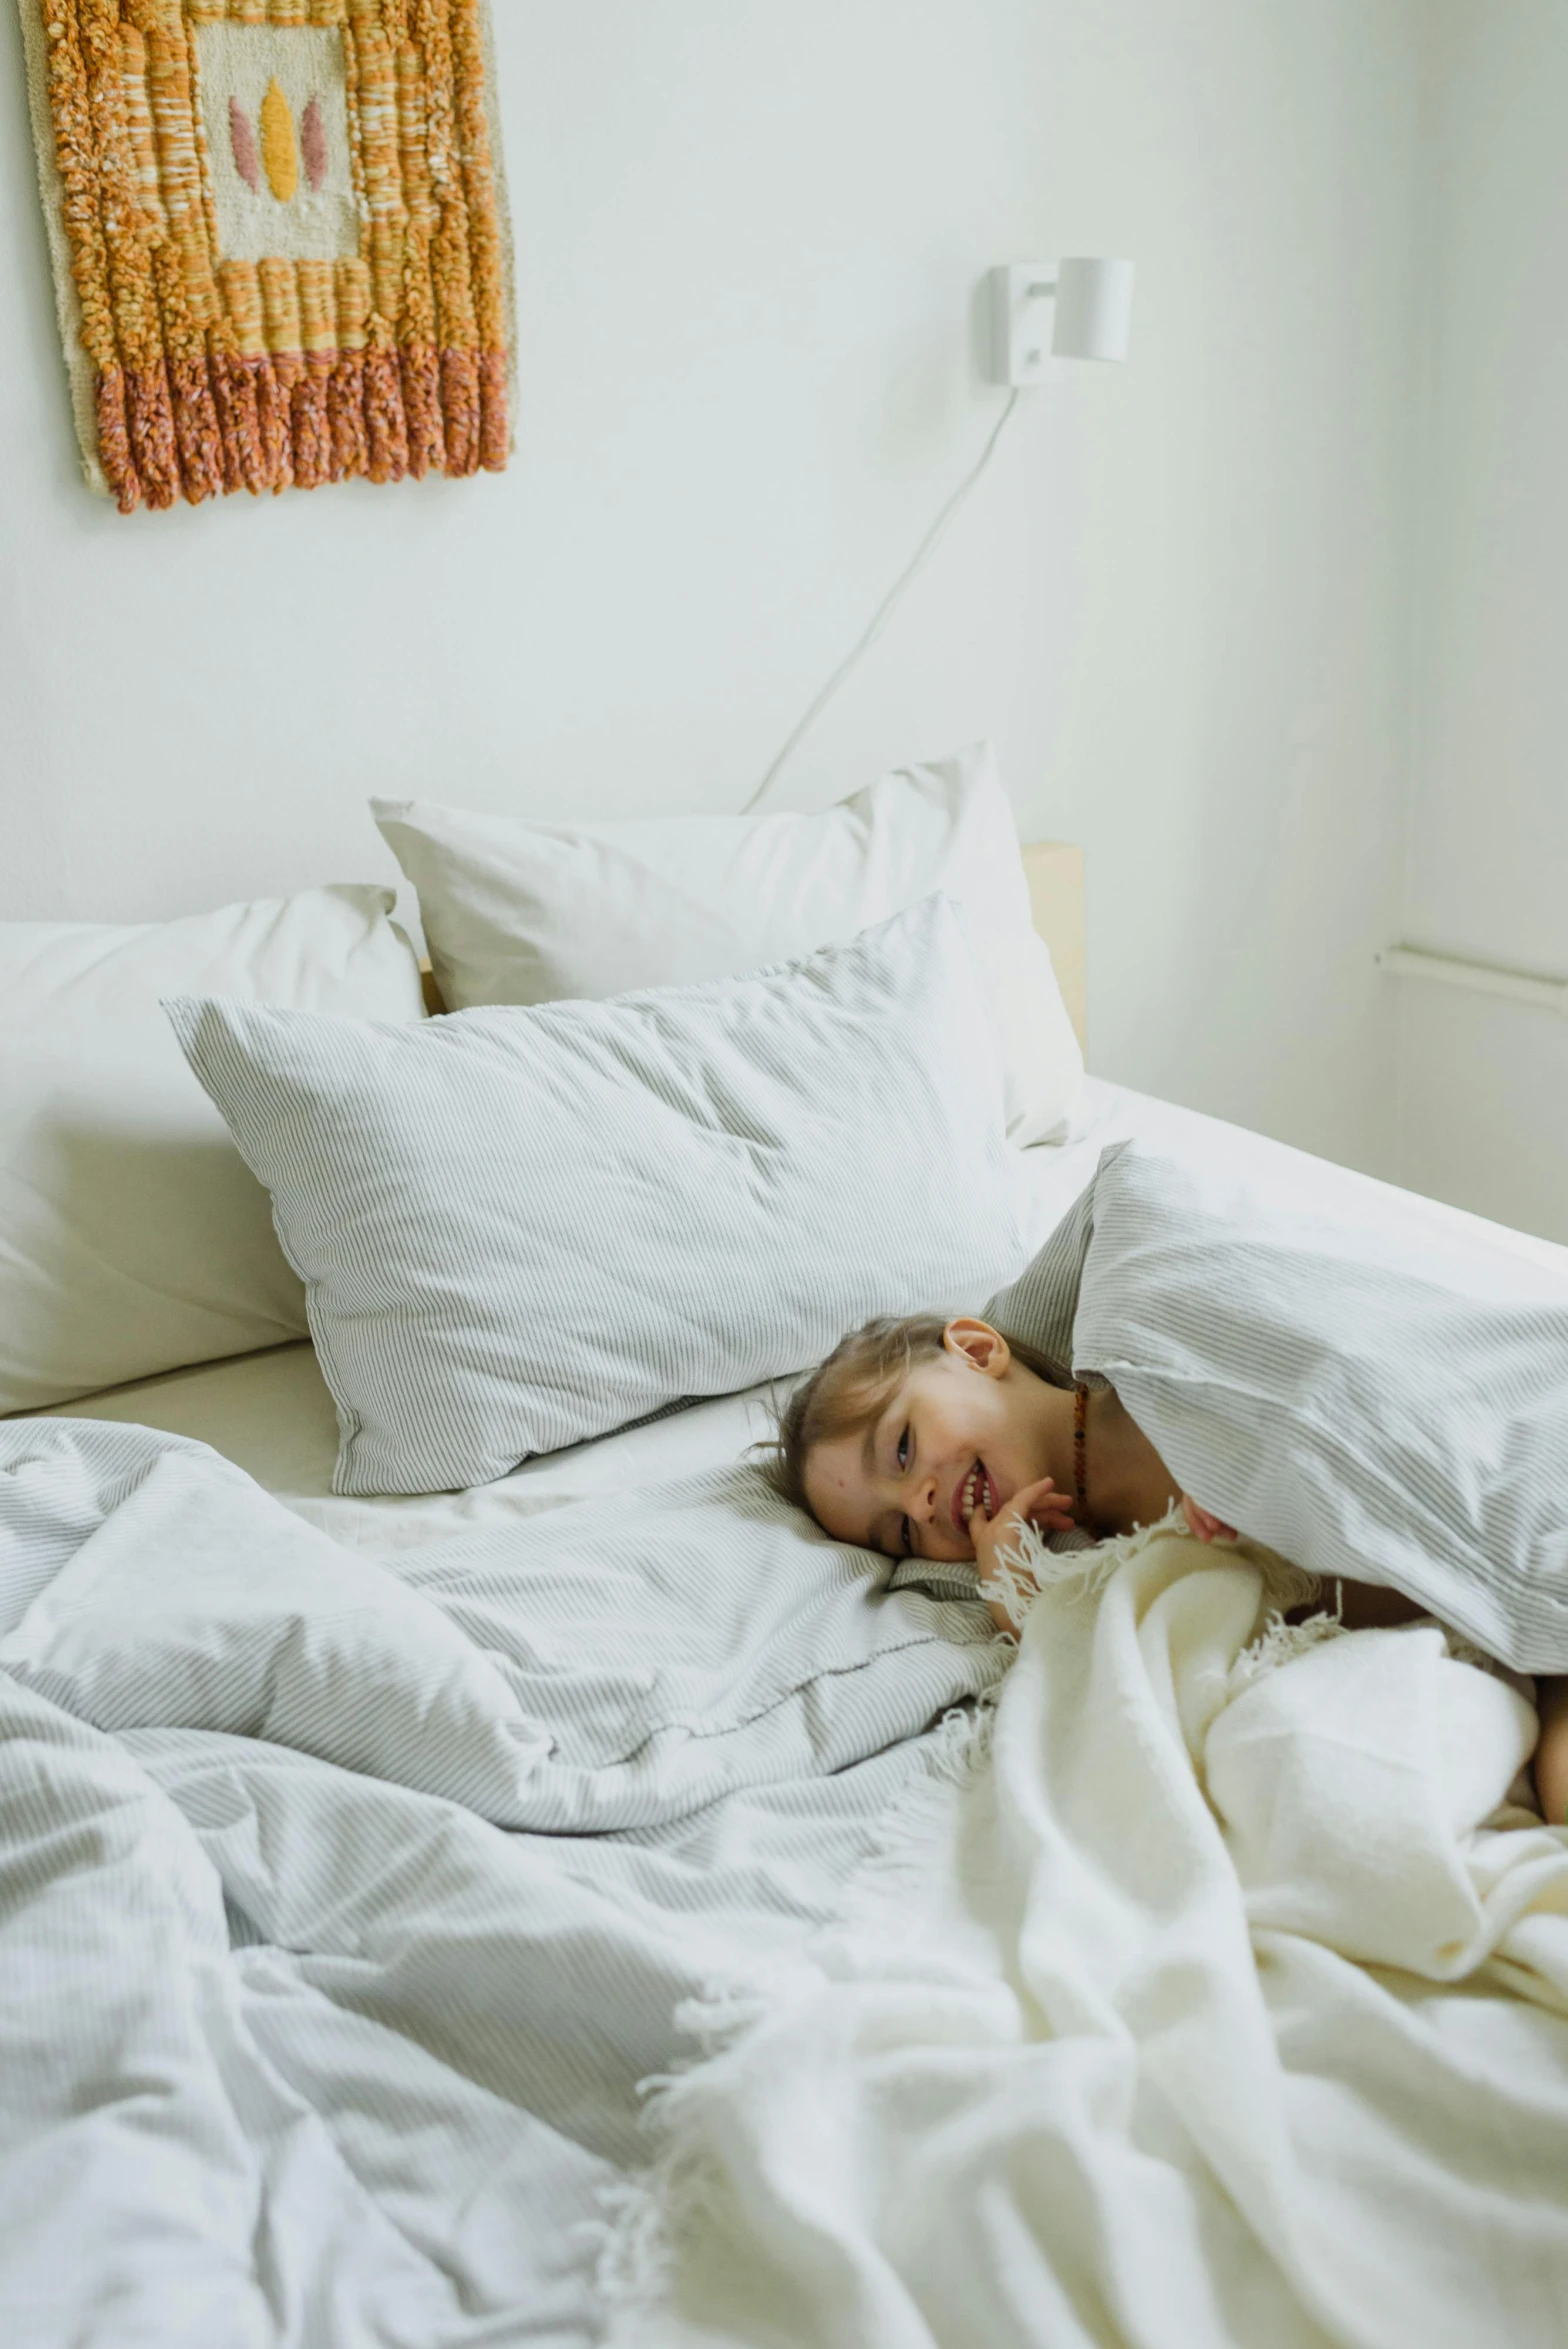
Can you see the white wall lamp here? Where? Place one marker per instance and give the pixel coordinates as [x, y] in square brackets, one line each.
[1044, 310]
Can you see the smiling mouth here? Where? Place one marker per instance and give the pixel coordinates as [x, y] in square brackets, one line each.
[977, 1491]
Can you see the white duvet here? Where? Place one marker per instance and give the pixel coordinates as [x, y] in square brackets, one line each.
[343, 1911]
[1227, 2007]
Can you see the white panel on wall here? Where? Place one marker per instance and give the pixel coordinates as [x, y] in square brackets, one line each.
[1482, 1117]
[751, 252]
[1483, 1106]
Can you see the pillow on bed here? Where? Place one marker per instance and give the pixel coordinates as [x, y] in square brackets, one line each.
[133, 1238]
[1371, 1384]
[519, 1228]
[517, 912]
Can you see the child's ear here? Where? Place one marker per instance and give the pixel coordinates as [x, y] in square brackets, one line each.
[978, 1344]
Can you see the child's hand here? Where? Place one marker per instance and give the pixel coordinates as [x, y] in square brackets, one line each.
[1037, 1504]
[1205, 1526]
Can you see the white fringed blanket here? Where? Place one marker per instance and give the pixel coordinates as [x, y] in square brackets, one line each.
[1210, 2012]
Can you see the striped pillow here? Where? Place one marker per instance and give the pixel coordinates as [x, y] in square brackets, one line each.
[1372, 1384]
[522, 1227]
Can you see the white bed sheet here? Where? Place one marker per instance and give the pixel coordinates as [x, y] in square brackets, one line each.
[271, 1413]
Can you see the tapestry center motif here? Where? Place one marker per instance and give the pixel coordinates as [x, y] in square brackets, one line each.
[274, 107]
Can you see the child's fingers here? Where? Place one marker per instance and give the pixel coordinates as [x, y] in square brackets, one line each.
[1204, 1524]
[1042, 1505]
[1033, 1498]
[1037, 1504]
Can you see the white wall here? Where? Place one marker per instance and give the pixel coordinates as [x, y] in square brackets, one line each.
[1483, 1085]
[749, 243]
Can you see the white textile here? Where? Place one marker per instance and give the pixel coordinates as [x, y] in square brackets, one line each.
[298, 2048]
[1214, 2013]
[517, 912]
[519, 1228]
[133, 1237]
[1373, 1387]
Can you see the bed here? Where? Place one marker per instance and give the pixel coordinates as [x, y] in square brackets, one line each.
[589, 1905]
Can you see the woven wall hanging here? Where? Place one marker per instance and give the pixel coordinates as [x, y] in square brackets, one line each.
[279, 239]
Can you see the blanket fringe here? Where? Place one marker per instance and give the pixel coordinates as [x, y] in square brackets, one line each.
[895, 1865]
[1279, 1643]
[645, 2214]
[1029, 1566]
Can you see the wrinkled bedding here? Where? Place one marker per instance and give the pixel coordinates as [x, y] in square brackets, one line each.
[342, 1911]
[1226, 2007]
[348, 1900]
[1367, 1383]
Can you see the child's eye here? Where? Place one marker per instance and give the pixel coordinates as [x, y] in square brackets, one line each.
[903, 1451]
[907, 1536]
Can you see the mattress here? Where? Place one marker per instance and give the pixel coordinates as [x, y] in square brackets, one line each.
[271, 1412]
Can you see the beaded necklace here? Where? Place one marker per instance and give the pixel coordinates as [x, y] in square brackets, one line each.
[1081, 1452]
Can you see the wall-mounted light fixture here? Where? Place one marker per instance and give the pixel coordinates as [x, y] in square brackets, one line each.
[1044, 310]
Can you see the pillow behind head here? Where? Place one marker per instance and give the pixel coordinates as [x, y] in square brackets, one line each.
[133, 1238]
[517, 912]
[520, 1228]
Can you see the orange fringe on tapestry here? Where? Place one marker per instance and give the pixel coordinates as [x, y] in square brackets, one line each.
[279, 238]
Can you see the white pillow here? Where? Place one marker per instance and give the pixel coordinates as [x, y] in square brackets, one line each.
[519, 1228]
[133, 1237]
[518, 912]
[1371, 1384]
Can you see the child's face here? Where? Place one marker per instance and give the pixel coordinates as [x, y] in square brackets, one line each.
[965, 1425]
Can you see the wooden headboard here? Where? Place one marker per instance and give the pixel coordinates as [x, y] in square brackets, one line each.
[1054, 870]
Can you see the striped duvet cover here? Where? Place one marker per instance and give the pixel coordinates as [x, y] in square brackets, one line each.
[343, 1910]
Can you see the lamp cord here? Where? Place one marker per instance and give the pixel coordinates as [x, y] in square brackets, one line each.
[887, 607]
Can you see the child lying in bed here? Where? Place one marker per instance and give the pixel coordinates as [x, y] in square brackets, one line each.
[927, 1439]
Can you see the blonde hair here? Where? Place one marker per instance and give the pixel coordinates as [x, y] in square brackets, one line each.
[853, 1387]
